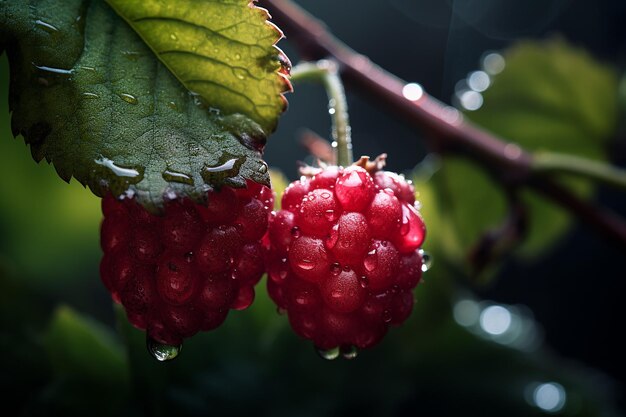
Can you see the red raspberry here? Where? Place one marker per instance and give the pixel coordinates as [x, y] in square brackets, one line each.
[345, 256]
[181, 272]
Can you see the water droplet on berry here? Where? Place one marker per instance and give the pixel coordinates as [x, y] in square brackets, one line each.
[363, 281]
[162, 352]
[427, 260]
[335, 268]
[349, 352]
[371, 261]
[330, 215]
[295, 232]
[334, 236]
[306, 264]
[325, 195]
[189, 257]
[387, 316]
[328, 354]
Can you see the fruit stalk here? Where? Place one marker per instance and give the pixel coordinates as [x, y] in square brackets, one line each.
[326, 72]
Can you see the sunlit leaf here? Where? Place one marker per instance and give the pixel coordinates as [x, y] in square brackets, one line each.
[222, 50]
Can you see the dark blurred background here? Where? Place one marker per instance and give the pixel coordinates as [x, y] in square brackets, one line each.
[543, 336]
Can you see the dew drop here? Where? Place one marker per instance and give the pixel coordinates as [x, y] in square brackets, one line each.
[306, 264]
[333, 237]
[162, 352]
[239, 73]
[328, 354]
[172, 105]
[349, 352]
[370, 262]
[295, 232]
[335, 268]
[90, 96]
[281, 311]
[387, 316]
[46, 26]
[129, 98]
[173, 37]
[263, 167]
[173, 176]
[330, 215]
[364, 281]
[427, 260]
[237, 57]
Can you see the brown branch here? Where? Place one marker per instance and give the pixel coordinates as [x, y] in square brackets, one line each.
[447, 130]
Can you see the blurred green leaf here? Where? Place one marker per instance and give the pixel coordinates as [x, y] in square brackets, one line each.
[89, 96]
[551, 96]
[48, 229]
[82, 348]
[222, 50]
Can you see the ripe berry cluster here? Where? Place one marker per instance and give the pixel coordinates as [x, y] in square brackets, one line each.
[181, 272]
[344, 255]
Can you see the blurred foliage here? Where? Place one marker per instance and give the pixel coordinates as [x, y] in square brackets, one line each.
[63, 354]
[549, 97]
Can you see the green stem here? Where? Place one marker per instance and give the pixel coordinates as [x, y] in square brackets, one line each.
[327, 72]
[548, 162]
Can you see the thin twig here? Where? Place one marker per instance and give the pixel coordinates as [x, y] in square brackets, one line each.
[448, 131]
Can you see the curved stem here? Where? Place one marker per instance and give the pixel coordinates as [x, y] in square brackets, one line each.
[326, 72]
[549, 162]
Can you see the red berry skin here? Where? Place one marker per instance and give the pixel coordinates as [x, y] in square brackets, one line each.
[345, 272]
[309, 259]
[293, 194]
[182, 271]
[318, 211]
[355, 189]
[412, 230]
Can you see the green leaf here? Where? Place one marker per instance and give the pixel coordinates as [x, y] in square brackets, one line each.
[89, 96]
[80, 347]
[550, 96]
[223, 50]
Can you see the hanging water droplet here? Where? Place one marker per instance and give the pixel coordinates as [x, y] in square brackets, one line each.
[295, 232]
[189, 257]
[427, 260]
[349, 352]
[328, 354]
[335, 268]
[162, 352]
